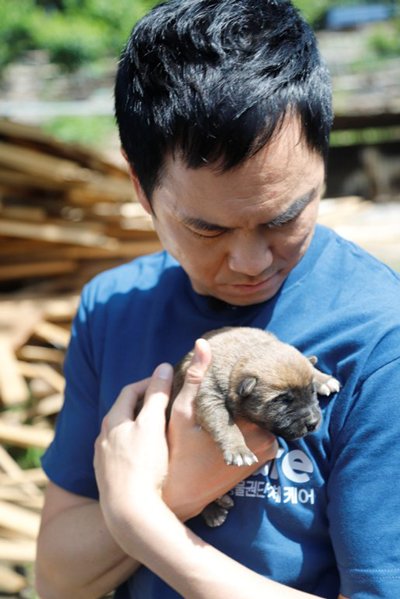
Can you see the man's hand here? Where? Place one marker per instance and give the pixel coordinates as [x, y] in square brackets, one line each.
[134, 461]
[131, 453]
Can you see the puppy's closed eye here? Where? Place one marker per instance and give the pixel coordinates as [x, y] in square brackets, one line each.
[286, 398]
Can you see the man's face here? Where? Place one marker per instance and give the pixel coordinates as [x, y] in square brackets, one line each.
[238, 234]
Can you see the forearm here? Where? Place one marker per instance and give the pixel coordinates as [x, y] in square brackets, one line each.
[77, 556]
[193, 568]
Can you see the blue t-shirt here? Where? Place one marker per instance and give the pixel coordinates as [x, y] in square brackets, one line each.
[323, 517]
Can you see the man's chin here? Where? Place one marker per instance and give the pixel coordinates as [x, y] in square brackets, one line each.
[244, 302]
[241, 301]
[238, 294]
[248, 295]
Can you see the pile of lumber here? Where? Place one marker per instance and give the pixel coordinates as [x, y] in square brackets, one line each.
[33, 339]
[66, 212]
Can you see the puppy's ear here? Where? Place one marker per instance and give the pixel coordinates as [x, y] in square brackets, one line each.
[312, 359]
[246, 386]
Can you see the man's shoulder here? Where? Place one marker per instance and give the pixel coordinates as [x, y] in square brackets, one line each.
[351, 266]
[143, 273]
[358, 301]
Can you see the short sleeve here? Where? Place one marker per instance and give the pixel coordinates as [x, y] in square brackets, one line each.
[363, 494]
[68, 462]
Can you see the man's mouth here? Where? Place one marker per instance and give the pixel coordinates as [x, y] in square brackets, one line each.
[255, 284]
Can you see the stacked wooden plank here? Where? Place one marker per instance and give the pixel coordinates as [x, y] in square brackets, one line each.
[34, 336]
[66, 212]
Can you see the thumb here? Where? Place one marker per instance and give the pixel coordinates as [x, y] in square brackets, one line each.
[199, 364]
[195, 372]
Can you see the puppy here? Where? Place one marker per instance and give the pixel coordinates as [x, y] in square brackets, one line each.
[255, 376]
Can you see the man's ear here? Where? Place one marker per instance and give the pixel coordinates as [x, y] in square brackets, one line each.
[141, 196]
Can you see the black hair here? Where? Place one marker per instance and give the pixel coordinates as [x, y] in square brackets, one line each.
[212, 80]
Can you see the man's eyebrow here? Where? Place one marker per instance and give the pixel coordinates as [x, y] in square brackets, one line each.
[294, 209]
[202, 225]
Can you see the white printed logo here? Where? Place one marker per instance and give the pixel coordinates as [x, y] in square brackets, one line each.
[296, 466]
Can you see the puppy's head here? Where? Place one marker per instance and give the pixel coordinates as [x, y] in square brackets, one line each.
[277, 393]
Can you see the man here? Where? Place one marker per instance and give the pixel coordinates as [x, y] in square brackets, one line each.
[224, 114]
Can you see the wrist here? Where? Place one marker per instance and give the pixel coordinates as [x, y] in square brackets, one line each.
[181, 502]
[136, 529]
[133, 515]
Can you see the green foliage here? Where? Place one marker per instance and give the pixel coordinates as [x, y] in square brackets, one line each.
[370, 135]
[27, 458]
[70, 42]
[15, 29]
[73, 32]
[88, 130]
[314, 10]
[117, 17]
[384, 41]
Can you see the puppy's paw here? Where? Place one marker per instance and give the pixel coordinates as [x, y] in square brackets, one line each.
[214, 515]
[331, 385]
[225, 501]
[240, 456]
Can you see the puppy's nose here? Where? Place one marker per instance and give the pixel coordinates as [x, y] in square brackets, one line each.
[311, 426]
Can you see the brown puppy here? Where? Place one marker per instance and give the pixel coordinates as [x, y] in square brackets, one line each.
[255, 376]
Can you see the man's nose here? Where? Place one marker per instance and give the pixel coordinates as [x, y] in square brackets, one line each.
[250, 253]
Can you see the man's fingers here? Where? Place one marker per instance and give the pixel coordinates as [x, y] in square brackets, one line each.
[261, 442]
[159, 389]
[154, 389]
[125, 404]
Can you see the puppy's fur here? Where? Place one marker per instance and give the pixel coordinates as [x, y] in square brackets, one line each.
[255, 376]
